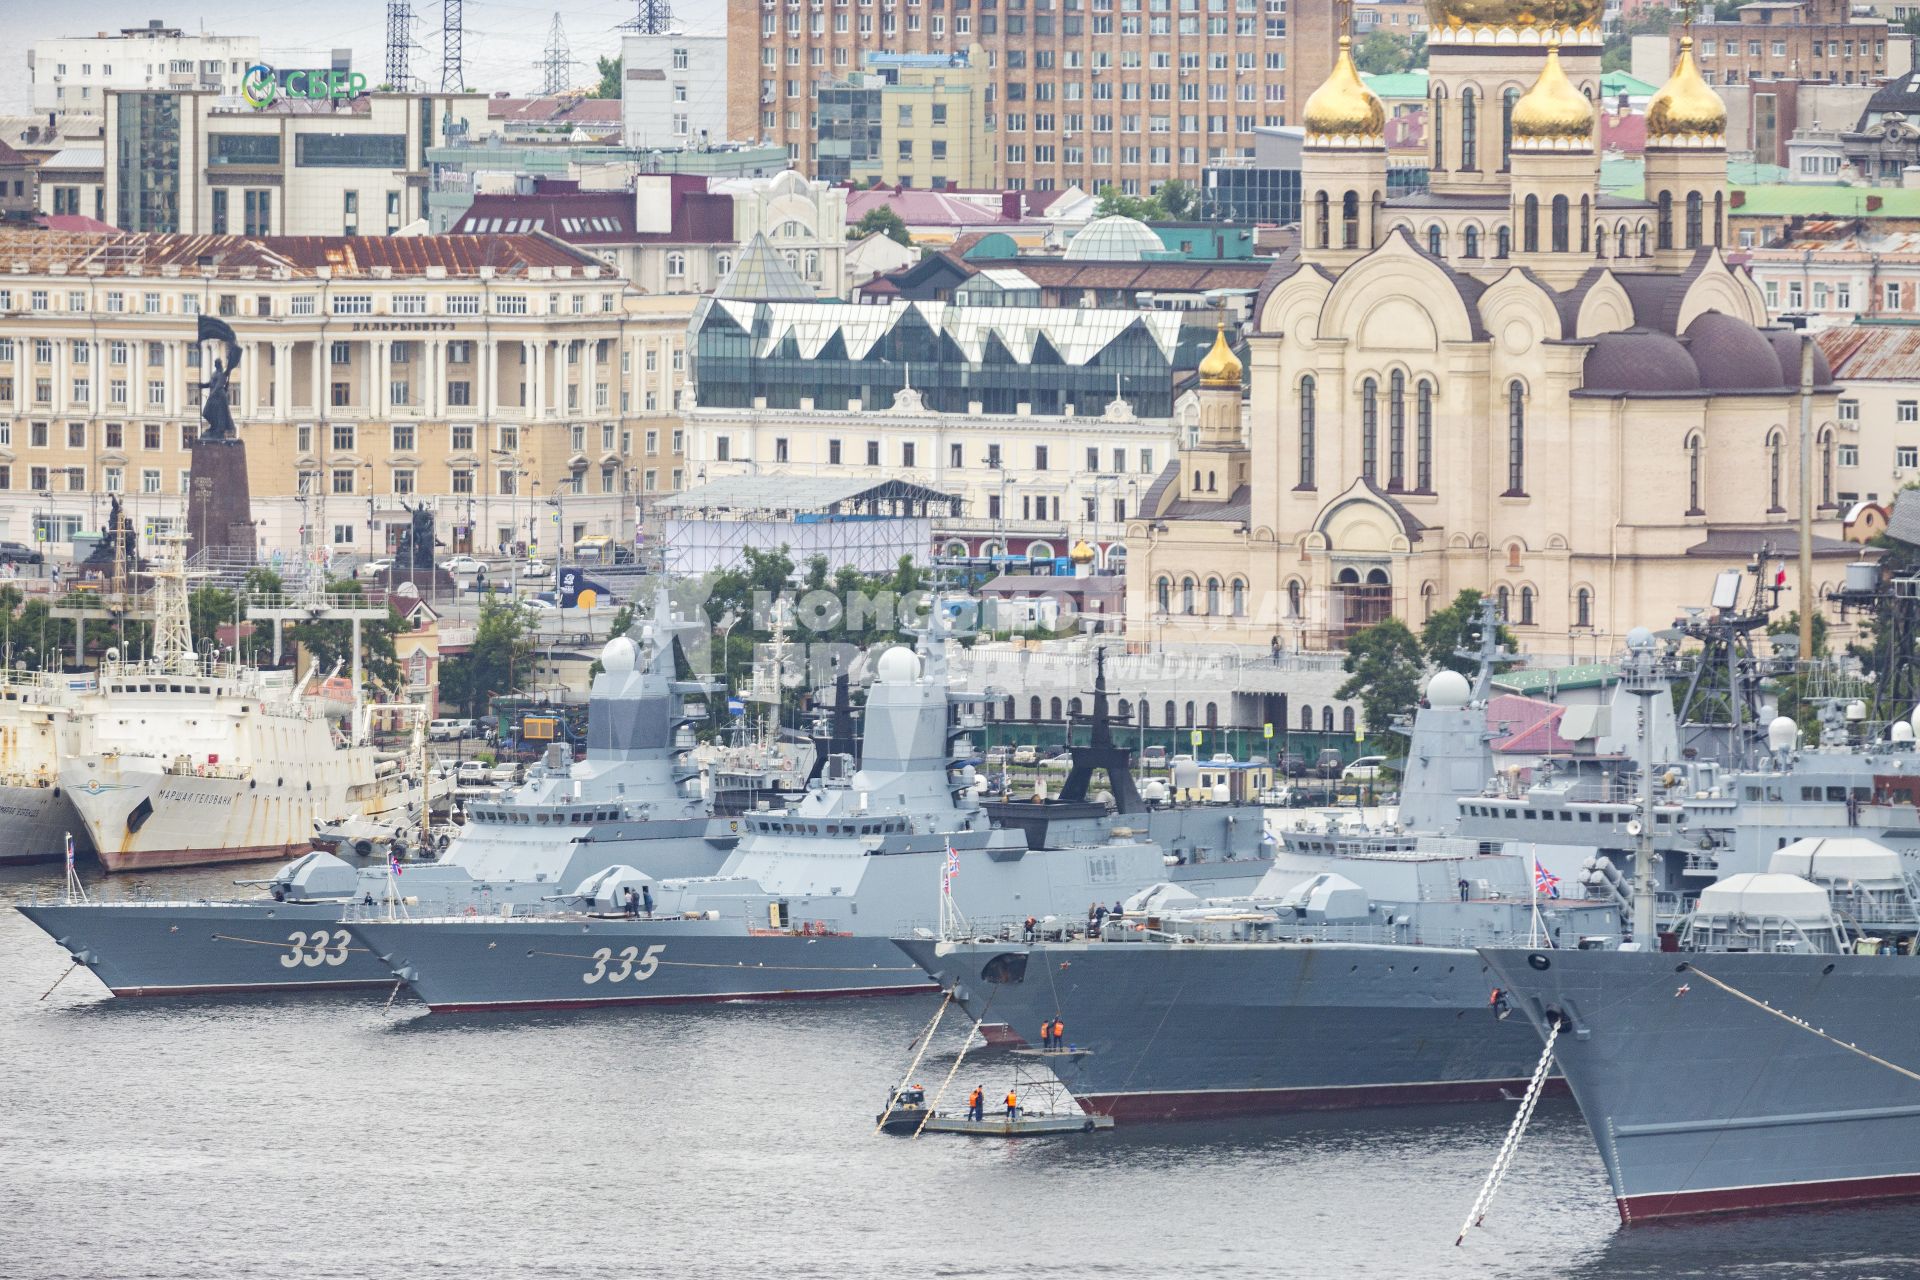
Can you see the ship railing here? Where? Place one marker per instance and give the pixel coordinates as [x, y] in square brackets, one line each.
[1249, 926]
[186, 768]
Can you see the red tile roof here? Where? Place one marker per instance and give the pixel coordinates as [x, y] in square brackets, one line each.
[1871, 351]
[920, 208]
[10, 157]
[560, 109]
[563, 211]
[347, 256]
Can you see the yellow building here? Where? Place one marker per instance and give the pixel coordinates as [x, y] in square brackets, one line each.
[1512, 382]
[916, 120]
[512, 383]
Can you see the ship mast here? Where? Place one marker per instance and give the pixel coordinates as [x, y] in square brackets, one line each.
[1640, 675]
[172, 625]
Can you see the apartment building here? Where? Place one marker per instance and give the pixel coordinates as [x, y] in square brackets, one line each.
[909, 119]
[1080, 93]
[1789, 40]
[514, 384]
[1877, 364]
[198, 162]
[1833, 272]
[74, 74]
[675, 90]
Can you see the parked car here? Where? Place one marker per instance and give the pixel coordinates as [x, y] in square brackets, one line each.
[1329, 763]
[1061, 763]
[1026, 753]
[473, 773]
[20, 553]
[543, 604]
[1223, 757]
[1293, 764]
[463, 565]
[504, 775]
[371, 568]
[441, 731]
[1154, 757]
[536, 569]
[1365, 769]
[998, 755]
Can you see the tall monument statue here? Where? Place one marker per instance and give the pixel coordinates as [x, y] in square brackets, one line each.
[219, 505]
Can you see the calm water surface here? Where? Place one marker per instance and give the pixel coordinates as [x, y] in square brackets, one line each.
[327, 1137]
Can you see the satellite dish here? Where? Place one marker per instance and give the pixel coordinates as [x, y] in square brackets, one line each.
[407, 590]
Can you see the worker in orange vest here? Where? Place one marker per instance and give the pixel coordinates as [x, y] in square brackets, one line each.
[1046, 1034]
[1013, 1104]
[1059, 1033]
[976, 1104]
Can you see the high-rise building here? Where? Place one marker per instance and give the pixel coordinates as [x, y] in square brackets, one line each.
[1792, 40]
[72, 74]
[909, 119]
[1079, 92]
[673, 92]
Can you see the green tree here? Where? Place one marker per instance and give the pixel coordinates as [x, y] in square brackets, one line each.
[1113, 202]
[498, 657]
[609, 86]
[207, 609]
[622, 623]
[1383, 665]
[883, 219]
[1616, 55]
[1179, 201]
[1457, 627]
[1382, 53]
[329, 642]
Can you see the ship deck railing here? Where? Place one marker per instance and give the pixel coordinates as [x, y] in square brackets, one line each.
[1246, 926]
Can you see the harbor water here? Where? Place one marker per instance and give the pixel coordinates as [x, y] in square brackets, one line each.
[333, 1137]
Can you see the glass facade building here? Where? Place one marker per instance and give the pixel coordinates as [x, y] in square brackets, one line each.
[1052, 361]
[1272, 195]
[146, 155]
[849, 127]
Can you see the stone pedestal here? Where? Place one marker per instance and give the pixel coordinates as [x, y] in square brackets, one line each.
[219, 507]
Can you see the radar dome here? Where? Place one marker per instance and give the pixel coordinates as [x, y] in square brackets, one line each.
[1639, 639]
[1902, 731]
[897, 665]
[1448, 689]
[619, 656]
[1781, 733]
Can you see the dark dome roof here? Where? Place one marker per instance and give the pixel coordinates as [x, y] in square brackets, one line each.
[1786, 345]
[1640, 360]
[1732, 355]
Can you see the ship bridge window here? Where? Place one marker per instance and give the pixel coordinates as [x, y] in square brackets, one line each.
[1566, 816]
[1809, 793]
[1863, 794]
[1837, 793]
[1513, 813]
[1753, 793]
[1585, 816]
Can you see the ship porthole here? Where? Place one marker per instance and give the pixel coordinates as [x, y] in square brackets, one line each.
[1828, 969]
[309, 786]
[1680, 968]
[252, 783]
[1539, 961]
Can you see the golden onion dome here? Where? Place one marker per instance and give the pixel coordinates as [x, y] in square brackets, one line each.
[1344, 107]
[1686, 105]
[1553, 110]
[1515, 14]
[1081, 553]
[1220, 368]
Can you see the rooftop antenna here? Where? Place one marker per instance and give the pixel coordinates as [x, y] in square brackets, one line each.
[399, 44]
[555, 62]
[453, 76]
[654, 18]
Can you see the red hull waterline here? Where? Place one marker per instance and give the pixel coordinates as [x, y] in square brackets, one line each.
[160, 859]
[1779, 1195]
[254, 988]
[1222, 1103]
[510, 1006]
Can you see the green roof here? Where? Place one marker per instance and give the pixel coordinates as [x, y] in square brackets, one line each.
[1625, 176]
[1591, 675]
[1399, 84]
[1615, 83]
[1791, 199]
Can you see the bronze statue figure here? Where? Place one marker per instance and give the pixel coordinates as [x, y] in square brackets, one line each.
[215, 409]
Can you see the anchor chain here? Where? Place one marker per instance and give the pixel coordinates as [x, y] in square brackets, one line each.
[1511, 1146]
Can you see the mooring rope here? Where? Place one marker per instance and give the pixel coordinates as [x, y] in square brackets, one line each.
[1808, 1027]
[926, 1041]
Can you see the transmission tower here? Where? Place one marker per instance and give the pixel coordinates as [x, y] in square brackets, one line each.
[655, 18]
[452, 73]
[399, 44]
[555, 64]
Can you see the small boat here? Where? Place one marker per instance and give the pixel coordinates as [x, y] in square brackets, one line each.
[908, 1113]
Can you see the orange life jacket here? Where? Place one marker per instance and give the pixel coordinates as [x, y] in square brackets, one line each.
[973, 1100]
[1012, 1101]
[1059, 1028]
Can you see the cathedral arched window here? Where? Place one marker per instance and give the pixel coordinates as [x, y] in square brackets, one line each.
[1423, 438]
[1583, 608]
[1507, 100]
[1502, 599]
[1503, 244]
[1826, 468]
[1306, 719]
[1437, 109]
[1561, 231]
[1326, 719]
[1370, 429]
[1516, 440]
[1033, 708]
[1472, 238]
[1239, 598]
[1186, 595]
[1643, 239]
[1293, 599]
[1774, 471]
[1213, 596]
[1469, 124]
[1586, 224]
[1620, 248]
[1719, 217]
[1397, 430]
[1163, 592]
[1695, 235]
[1665, 238]
[1530, 225]
[1346, 719]
[1693, 475]
[1173, 714]
[1320, 229]
[1526, 606]
[1350, 220]
[1306, 431]
[1433, 240]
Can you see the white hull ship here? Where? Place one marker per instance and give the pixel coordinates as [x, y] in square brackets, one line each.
[192, 763]
[38, 730]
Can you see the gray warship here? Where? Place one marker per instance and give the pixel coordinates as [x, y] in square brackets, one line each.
[632, 801]
[1307, 994]
[1764, 1056]
[808, 903]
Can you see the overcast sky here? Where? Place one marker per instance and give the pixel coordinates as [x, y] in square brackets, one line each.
[504, 38]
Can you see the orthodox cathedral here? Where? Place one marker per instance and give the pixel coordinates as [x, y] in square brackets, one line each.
[1510, 381]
